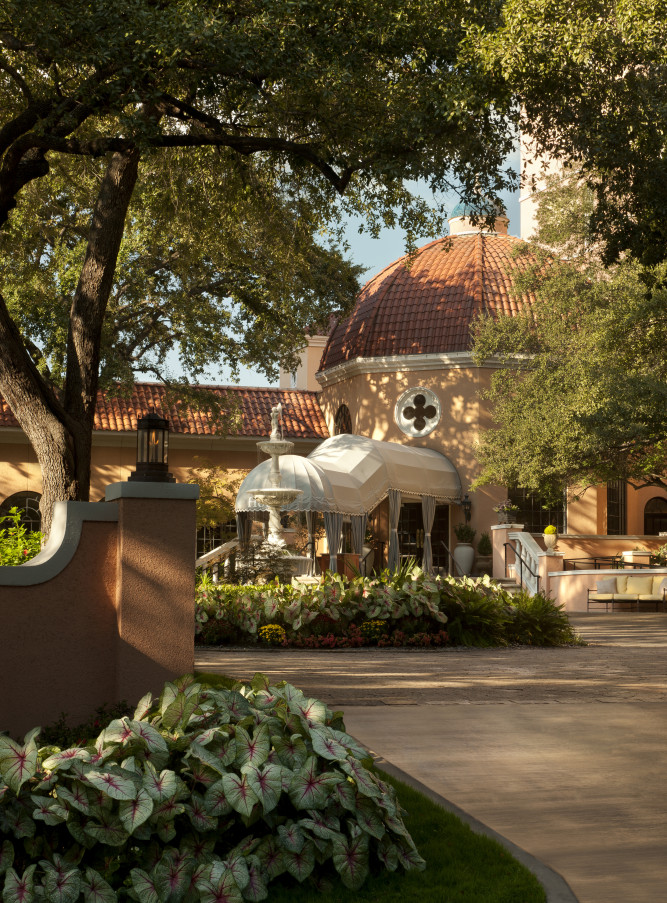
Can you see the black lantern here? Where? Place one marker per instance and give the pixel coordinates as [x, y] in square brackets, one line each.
[466, 504]
[152, 450]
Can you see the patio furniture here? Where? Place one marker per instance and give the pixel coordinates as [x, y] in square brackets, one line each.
[648, 589]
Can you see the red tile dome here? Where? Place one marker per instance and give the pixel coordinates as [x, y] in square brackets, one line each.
[427, 307]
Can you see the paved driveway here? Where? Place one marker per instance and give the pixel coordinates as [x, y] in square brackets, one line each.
[563, 751]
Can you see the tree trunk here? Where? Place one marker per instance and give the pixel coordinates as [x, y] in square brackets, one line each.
[59, 425]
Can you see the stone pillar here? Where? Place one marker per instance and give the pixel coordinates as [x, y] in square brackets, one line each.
[155, 584]
[549, 564]
[499, 536]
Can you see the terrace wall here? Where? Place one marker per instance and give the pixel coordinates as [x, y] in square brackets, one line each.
[105, 612]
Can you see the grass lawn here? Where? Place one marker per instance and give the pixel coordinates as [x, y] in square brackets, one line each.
[460, 865]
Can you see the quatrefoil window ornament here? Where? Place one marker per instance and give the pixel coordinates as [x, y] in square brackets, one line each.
[417, 411]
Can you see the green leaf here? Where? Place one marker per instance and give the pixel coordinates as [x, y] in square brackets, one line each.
[6, 856]
[198, 814]
[76, 798]
[271, 857]
[179, 712]
[160, 786]
[143, 707]
[350, 859]
[65, 759]
[48, 810]
[215, 800]
[134, 812]
[153, 739]
[364, 779]
[256, 888]
[17, 763]
[222, 890]
[300, 864]
[239, 793]
[292, 752]
[308, 789]
[172, 876]
[369, 819]
[252, 750]
[291, 837]
[325, 826]
[113, 784]
[61, 885]
[144, 886]
[19, 890]
[267, 784]
[95, 888]
[326, 745]
[108, 830]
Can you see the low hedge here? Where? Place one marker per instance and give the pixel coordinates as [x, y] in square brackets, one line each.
[409, 609]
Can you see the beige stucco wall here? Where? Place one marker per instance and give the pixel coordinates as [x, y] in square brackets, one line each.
[372, 397]
[304, 376]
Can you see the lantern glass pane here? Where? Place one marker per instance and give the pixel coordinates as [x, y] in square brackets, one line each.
[142, 447]
[155, 446]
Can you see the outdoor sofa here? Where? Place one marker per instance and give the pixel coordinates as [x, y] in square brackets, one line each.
[630, 589]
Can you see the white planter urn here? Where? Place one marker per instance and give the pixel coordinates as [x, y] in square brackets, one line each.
[550, 540]
[463, 555]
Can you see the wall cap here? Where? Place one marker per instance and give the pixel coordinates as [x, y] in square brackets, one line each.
[137, 490]
[66, 527]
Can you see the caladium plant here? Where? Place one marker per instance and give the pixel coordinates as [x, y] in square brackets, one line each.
[203, 796]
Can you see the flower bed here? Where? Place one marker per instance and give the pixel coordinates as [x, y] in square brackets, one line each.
[408, 609]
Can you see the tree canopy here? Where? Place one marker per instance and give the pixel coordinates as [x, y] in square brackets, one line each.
[589, 80]
[312, 107]
[588, 403]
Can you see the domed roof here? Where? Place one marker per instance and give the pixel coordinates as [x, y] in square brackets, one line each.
[427, 306]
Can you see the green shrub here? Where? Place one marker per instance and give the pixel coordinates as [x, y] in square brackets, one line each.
[331, 614]
[484, 546]
[537, 621]
[17, 545]
[207, 795]
[464, 532]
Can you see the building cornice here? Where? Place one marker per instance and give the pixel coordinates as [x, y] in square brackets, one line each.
[454, 360]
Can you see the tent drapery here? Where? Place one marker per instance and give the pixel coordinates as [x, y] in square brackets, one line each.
[358, 524]
[333, 527]
[243, 527]
[428, 516]
[394, 514]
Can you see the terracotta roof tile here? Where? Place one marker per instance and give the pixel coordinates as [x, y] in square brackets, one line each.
[302, 416]
[428, 308]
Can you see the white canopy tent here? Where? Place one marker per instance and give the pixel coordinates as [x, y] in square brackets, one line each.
[348, 476]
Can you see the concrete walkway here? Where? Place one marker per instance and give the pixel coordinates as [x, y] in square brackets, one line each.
[562, 751]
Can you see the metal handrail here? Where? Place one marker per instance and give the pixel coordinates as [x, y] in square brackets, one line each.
[522, 564]
[451, 558]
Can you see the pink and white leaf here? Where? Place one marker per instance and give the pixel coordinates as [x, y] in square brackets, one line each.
[62, 760]
[301, 864]
[267, 783]
[95, 888]
[350, 859]
[19, 890]
[239, 794]
[144, 886]
[160, 786]
[113, 784]
[135, 812]
[17, 763]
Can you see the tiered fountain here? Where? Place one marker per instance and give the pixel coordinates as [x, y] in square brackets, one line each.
[277, 497]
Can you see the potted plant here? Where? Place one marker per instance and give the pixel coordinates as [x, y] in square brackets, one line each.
[484, 560]
[506, 511]
[550, 536]
[464, 553]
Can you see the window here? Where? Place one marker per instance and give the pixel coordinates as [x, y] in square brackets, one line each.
[616, 511]
[533, 514]
[411, 533]
[655, 516]
[210, 537]
[417, 411]
[28, 502]
[342, 421]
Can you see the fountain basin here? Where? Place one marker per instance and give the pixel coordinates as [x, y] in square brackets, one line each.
[276, 447]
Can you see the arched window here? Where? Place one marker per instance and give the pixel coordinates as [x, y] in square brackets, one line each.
[655, 516]
[28, 503]
[342, 421]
